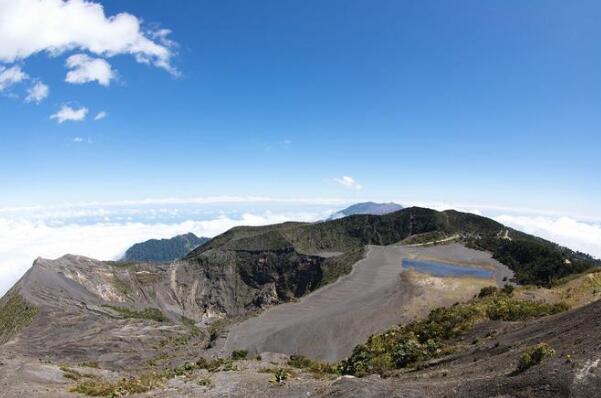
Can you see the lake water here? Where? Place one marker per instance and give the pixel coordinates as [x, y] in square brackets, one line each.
[444, 269]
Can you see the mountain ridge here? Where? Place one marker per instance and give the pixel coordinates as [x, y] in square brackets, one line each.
[164, 250]
[372, 208]
[87, 308]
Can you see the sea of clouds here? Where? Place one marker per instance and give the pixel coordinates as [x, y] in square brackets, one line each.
[105, 230]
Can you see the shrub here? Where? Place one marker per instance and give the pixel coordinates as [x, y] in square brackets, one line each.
[508, 289]
[533, 356]
[299, 362]
[316, 367]
[239, 354]
[205, 381]
[279, 375]
[487, 291]
[212, 365]
[404, 346]
[92, 364]
[507, 309]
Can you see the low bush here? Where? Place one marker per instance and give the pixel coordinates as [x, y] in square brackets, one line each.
[533, 356]
[280, 375]
[205, 382]
[508, 289]
[487, 291]
[239, 354]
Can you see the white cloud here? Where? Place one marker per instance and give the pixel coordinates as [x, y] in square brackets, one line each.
[197, 200]
[100, 115]
[68, 113]
[12, 75]
[37, 93]
[25, 240]
[77, 140]
[349, 182]
[28, 27]
[86, 69]
[576, 235]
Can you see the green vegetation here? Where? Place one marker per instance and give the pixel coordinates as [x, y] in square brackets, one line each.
[337, 266]
[487, 291]
[273, 253]
[404, 346]
[239, 354]
[191, 325]
[152, 314]
[536, 261]
[98, 387]
[121, 286]
[533, 356]
[425, 239]
[15, 314]
[93, 365]
[205, 382]
[317, 368]
[508, 289]
[279, 374]
[216, 328]
[164, 250]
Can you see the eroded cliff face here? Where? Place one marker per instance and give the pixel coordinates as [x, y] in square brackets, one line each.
[121, 313]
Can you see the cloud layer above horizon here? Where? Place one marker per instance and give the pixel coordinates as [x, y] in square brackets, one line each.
[105, 230]
[105, 233]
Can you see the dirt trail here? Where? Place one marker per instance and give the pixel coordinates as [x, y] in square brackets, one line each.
[329, 322]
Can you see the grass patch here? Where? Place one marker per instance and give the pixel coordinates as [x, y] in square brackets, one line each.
[317, 368]
[152, 314]
[534, 355]
[404, 346]
[96, 386]
[99, 387]
[15, 314]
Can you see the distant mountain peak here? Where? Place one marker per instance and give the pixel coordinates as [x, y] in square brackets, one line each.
[164, 250]
[372, 208]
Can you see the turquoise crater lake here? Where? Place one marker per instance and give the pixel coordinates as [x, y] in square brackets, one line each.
[444, 269]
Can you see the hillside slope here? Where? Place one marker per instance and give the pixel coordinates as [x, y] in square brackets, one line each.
[533, 259]
[246, 269]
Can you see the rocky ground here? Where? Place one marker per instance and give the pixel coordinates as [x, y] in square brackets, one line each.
[328, 323]
[82, 337]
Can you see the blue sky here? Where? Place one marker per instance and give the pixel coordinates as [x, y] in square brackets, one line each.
[222, 113]
[483, 102]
